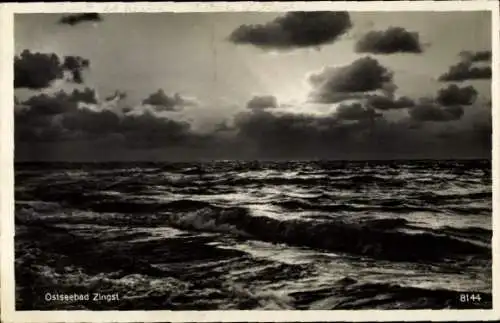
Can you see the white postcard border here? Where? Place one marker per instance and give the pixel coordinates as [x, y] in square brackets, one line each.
[8, 313]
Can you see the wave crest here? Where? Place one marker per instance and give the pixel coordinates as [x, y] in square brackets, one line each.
[378, 238]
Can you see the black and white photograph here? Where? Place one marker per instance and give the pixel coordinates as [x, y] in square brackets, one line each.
[253, 160]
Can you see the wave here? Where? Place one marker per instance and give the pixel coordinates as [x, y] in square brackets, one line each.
[379, 239]
[348, 293]
[318, 179]
[189, 274]
[434, 198]
[389, 206]
[473, 233]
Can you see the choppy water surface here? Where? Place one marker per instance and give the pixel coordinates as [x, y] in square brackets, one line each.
[254, 235]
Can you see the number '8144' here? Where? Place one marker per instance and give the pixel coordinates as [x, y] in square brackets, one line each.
[470, 298]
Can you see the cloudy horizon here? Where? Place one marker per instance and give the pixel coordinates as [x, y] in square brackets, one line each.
[252, 85]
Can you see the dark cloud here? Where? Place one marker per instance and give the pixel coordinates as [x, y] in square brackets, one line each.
[480, 56]
[466, 71]
[86, 123]
[390, 41]
[135, 131]
[75, 62]
[429, 111]
[75, 65]
[76, 19]
[58, 103]
[38, 119]
[381, 102]
[273, 134]
[58, 118]
[294, 29]
[163, 102]
[355, 111]
[147, 130]
[34, 119]
[262, 102]
[454, 95]
[267, 135]
[334, 84]
[87, 96]
[44, 104]
[352, 132]
[39, 70]
[36, 70]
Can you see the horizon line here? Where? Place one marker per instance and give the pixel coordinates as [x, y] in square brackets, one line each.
[253, 160]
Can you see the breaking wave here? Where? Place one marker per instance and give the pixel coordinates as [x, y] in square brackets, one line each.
[376, 238]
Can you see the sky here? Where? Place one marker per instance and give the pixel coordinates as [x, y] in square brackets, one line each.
[252, 85]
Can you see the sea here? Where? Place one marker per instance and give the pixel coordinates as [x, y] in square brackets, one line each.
[254, 235]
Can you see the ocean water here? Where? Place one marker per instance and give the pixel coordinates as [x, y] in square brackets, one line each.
[254, 235]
